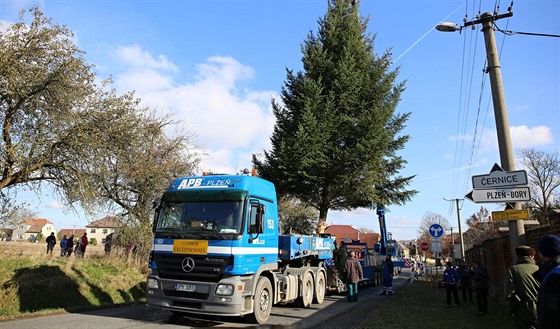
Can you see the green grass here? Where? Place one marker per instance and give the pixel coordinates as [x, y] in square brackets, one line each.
[44, 285]
[422, 305]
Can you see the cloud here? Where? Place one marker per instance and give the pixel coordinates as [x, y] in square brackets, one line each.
[521, 137]
[230, 121]
[54, 205]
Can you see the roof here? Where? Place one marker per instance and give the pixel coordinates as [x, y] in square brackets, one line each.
[68, 231]
[105, 222]
[36, 224]
[8, 231]
[341, 230]
[347, 232]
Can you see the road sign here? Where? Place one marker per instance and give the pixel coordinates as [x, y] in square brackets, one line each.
[510, 214]
[500, 195]
[424, 246]
[499, 178]
[436, 245]
[436, 230]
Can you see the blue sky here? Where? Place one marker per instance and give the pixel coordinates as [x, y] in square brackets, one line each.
[217, 64]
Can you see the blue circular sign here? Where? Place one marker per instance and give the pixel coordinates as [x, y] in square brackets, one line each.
[436, 230]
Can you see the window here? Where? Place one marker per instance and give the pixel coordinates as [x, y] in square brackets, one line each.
[92, 230]
[105, 231]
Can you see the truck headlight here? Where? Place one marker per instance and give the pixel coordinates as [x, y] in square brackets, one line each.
[153, 283]
[224, 290]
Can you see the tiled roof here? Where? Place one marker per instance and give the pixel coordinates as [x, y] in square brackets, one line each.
[36, 224]
[339, 230]
[67, 231]
[105, 222]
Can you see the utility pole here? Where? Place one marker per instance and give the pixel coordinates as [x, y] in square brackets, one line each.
[460, 226]
[516, 228]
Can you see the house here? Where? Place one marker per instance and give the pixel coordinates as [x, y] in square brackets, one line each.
[100, 228]
[33, 229]
[78, 232]
[6, 234]
[347, 233]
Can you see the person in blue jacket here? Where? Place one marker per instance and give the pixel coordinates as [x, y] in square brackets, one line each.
[451, 278]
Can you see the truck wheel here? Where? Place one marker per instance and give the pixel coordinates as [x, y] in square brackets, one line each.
[262, 302]
[321, 288]
[307, 291]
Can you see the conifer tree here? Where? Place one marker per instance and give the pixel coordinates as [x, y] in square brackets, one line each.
[337, 133]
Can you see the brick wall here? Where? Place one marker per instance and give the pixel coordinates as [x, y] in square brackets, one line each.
[495, 254]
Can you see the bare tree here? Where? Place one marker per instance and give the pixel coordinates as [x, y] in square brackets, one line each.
[481, 227]
[543, 172]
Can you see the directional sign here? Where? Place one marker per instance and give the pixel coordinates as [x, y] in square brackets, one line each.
[436, 245]
[499, 178]
[500, 195]
[510, 214]
[436, 230]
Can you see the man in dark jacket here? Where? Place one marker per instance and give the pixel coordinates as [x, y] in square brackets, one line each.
[451, 278]
[51, 242]
[482, 286]
[466, 280]
[522, 289]
[387, 272]
[354, 274]
[548, 304]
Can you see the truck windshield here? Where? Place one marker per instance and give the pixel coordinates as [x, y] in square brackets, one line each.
[198, 218]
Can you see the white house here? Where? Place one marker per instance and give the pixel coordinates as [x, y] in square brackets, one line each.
[100, 228]
[33, 228]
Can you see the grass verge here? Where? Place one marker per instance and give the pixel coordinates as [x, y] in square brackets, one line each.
[40, 285]
[422, 305]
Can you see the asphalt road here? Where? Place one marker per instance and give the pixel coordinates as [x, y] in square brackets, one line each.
[141, 316]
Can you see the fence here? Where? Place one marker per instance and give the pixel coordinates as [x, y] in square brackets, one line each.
[495, 254]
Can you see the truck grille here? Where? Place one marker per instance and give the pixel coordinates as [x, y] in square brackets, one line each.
[206, 268]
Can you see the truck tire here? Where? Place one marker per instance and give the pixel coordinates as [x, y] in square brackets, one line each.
[262, 302]
[320, 287]
[307, 291]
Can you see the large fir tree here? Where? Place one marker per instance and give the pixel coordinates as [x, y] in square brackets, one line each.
[336, 137]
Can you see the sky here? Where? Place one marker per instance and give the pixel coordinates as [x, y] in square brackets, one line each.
[216, 64]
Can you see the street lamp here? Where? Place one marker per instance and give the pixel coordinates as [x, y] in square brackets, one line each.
[516, 228]
[460, 229]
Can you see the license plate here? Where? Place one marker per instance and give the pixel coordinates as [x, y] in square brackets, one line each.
[185, 287]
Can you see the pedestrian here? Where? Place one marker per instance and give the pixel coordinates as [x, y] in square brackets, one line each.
[63, 246]
[466, 273]
[108, 241]
[69, 245]
[51, 242]
[387, 272]
[354, 274]
[341, 256]
[482, 287]
[548, 303]
[451, 278]
[83, 244]
[522, 289]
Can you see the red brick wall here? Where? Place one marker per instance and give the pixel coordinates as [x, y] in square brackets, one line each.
[495, 254]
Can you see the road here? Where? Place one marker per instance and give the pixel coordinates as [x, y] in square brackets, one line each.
[141, 316]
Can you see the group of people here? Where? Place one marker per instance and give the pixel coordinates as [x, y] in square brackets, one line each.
[533, 291]
[67, 245]
[350, 269]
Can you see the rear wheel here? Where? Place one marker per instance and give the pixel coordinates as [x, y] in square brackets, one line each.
[307, 288]
[320, 288]
[262, 302]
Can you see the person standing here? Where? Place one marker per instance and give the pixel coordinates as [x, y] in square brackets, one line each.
[387, 272]
[63, 246]
[466, 280]
[83, 244]
[482, 287]
[548, 302]
[354, 274]
[522, 289]
[340, 262]
[69, 245]
[51, 242]
[451, 278]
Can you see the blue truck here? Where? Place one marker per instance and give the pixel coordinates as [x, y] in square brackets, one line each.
[217, 250]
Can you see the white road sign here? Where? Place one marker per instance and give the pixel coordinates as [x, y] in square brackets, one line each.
[499, 178]
[500, 195]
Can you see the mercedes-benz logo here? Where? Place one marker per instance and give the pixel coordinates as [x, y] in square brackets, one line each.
[188, 264]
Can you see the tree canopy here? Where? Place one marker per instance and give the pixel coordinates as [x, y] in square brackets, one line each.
[93, 147]
[337, 133]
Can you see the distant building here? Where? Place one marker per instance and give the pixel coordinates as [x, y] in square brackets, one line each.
[6, 234]
[33, 228]
[348, 234]
[99, 229]
[78, 232]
